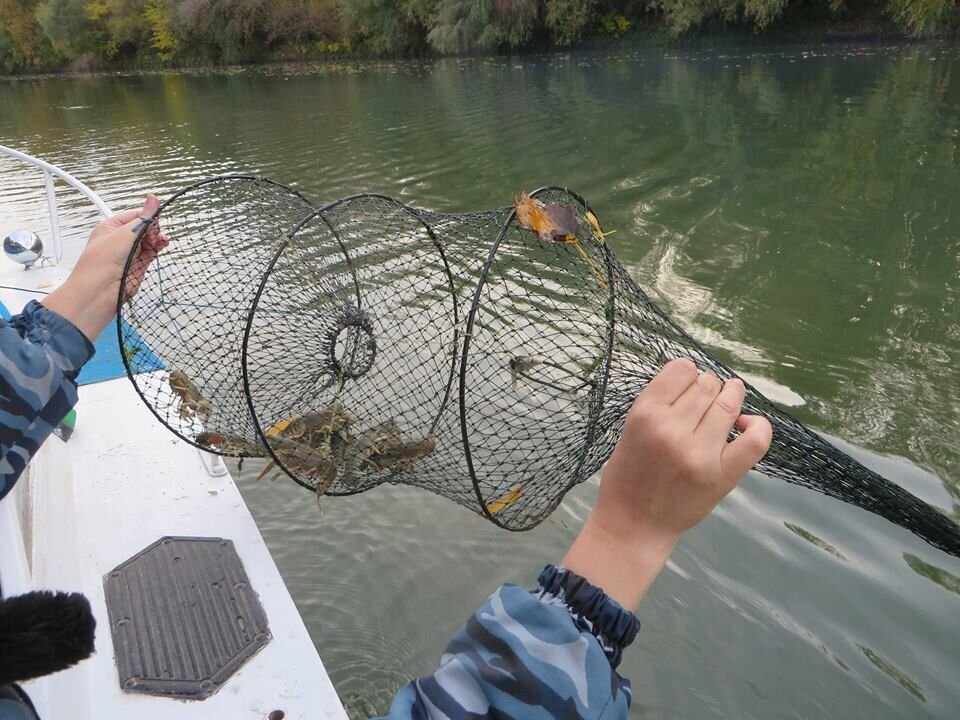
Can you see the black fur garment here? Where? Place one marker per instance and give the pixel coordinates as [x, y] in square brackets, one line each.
[42, 633]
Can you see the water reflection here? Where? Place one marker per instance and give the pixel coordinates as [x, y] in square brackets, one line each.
[814, 540]
[893, 673]
[941, 577]
[812, 236]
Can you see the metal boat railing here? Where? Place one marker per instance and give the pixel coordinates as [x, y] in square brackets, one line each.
[49, 173]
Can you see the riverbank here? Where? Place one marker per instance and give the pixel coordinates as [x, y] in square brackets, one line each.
[647, 38]
[126, 40]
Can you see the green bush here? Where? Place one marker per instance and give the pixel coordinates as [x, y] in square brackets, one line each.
[463, 26]
[384, 26]
[566, 19]
[460, 26]
[921, 17]
[615, 25]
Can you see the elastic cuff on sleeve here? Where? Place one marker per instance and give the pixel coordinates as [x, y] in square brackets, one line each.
[65, 344]
[592, 610]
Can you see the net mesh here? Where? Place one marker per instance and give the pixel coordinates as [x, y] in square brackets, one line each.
[367, 341]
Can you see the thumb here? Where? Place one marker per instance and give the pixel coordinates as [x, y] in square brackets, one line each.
[151, 204]
[140, 217]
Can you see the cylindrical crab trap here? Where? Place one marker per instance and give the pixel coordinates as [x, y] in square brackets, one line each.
[488, 357]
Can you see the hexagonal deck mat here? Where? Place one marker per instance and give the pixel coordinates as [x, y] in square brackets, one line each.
[183, 617]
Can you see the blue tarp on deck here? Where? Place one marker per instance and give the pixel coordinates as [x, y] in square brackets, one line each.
[107, 363]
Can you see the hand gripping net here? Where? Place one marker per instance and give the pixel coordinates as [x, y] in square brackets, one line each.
[367, 341]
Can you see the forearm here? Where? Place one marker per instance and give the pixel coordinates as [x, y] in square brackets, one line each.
[624, 565]
[88, 299]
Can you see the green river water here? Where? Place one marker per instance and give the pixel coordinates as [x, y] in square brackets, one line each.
[797, 210]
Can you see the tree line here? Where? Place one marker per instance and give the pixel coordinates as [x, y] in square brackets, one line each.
[87, 34]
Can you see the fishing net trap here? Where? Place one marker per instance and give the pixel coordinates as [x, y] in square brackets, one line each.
[489, 357]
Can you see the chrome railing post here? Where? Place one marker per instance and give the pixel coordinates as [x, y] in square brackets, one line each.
[54, 215]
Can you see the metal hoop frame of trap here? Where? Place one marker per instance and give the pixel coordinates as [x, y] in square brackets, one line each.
[131, 374]
[460, 352]
[481, 429]
[599, 393]
[284, 246]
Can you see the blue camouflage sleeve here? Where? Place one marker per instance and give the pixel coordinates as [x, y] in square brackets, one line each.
[551, 653]
[40, 356]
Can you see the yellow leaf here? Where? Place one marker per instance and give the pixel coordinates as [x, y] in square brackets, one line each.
[532, 215]
[507, 500]
[279, 427]
[555, 223]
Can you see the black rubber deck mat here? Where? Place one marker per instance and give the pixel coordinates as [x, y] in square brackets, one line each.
[183, 617]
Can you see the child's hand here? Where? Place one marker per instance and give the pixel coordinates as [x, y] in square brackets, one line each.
[673, 463]
[672, 466]
[88, 298]
[106, 253]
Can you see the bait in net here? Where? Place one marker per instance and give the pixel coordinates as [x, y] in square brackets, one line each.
[488, 357]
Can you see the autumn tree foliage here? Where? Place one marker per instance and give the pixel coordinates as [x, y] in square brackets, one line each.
[36, 34]
[23, 43]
